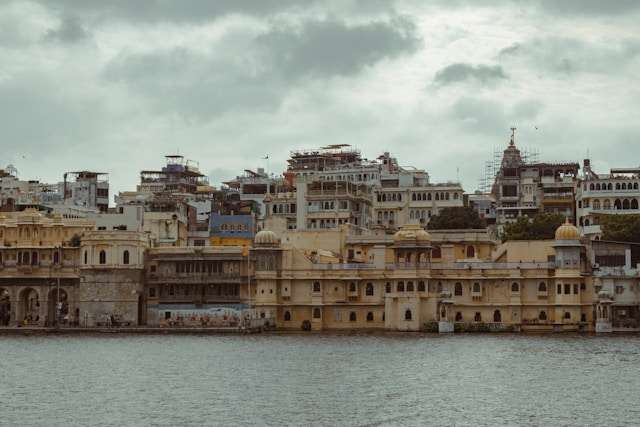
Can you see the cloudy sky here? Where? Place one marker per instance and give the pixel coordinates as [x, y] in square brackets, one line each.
[113, 86]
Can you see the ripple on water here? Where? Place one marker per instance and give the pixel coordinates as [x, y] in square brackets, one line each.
[319, 380]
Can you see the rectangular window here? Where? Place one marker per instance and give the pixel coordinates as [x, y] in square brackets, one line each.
[338, 315]
[152, 292]
[575, 289]
[559, 289]
[567, 289]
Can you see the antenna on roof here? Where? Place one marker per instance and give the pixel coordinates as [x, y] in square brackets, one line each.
[513, 136]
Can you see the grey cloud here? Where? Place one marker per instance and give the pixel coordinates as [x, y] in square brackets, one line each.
[203, 84]
[461, 72]
[153, 11]
[589, 7]
[195, 85]
[491, 117]
[568, 56]
[69, 31]
[331, 47]
[40, 119]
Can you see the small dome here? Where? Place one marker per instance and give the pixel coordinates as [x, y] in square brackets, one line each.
[266, 237]
[567, 231]
[411, 232]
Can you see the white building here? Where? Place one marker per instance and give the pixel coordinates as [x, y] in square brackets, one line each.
[615, 193]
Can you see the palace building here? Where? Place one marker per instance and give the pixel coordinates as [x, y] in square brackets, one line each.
[417, 280]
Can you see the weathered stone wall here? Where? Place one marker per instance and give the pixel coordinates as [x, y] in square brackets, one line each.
[106, 292]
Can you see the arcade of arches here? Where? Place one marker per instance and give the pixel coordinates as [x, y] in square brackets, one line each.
[35, 305]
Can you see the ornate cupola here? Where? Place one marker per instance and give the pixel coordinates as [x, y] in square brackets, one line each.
[412, 245]
[567, 246]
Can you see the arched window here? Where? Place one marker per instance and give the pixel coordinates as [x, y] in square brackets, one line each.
[428, 196]
[596, 204]
[567, 315]
[370, 316]
[515, 287]
[316, 286]
[85, 257]
[34, 258]
[635, 185]
[369, 289]
[458, 289]
[617, 185]
[542, 287]
[606, 204]
[609, 187]
[624, 186]
[421, 287]
[476, 287]
[409, 286]
[407, 315]
[316, 313]
[542, 315]
[352, 316]
[125, 257]
[497, 317]
[25, 258]
[56, 257]
[591, 187]
[287, 316]
[436, 252]
[400, 286]
[437, 196]
[103, 257]
[617, 204]
[459, 316]
[388, 288]
[625, 204]
[471, 252]
[413, 196]
[19, 258]
[352, 287]
[477, 317]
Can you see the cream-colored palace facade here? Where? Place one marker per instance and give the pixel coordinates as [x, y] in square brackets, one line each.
[419, 280]
[58, 270]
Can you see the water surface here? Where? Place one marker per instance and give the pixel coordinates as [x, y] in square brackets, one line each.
[319, 380]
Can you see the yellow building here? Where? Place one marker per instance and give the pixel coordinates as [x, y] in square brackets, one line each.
[38, 256]
[353, 278]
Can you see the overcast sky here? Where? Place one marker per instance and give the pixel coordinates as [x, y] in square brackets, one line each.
[114, 85]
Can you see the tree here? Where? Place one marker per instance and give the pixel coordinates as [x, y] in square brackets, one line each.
[542, 227]
[621, 228]
[456, 218]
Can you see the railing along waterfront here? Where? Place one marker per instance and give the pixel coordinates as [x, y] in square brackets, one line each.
[442, 266]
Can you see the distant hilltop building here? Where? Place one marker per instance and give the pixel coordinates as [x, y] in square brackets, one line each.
[526, 189]
[334, 185]
[615, 193]
[79, 192]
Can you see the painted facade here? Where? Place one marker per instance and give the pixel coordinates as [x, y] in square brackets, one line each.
[416, 280]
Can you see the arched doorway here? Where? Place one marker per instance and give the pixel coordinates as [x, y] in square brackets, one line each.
[497, 316]
[51, 307]
[29, 304]
[141, 311]
[5, 307]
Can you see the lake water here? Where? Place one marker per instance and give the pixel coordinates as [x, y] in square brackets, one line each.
[319, 380]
